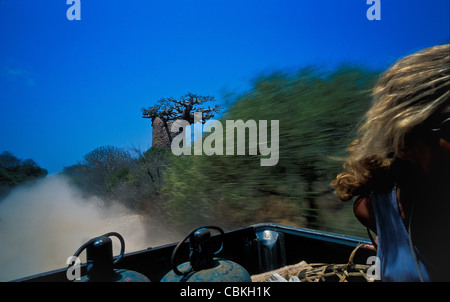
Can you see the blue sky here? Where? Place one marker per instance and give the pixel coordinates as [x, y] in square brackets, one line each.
[67, 87]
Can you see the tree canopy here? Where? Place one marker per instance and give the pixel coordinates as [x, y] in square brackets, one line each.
[15, 171]
[170, 109]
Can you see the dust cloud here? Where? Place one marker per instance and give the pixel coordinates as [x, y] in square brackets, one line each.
[41, 225]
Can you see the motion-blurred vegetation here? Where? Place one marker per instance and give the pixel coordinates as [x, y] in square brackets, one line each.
[318, 113]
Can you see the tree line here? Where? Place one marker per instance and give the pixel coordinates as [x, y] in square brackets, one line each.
[15, 171]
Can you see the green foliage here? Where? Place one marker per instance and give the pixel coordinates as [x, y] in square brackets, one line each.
[14, 171]
[317, 114]
[120, 176]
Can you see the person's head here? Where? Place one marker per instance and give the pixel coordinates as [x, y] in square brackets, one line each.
[410, 100]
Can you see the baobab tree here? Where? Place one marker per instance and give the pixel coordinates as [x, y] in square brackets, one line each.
[168, 110]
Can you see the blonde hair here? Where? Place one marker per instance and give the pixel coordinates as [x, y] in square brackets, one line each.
[405, 96]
